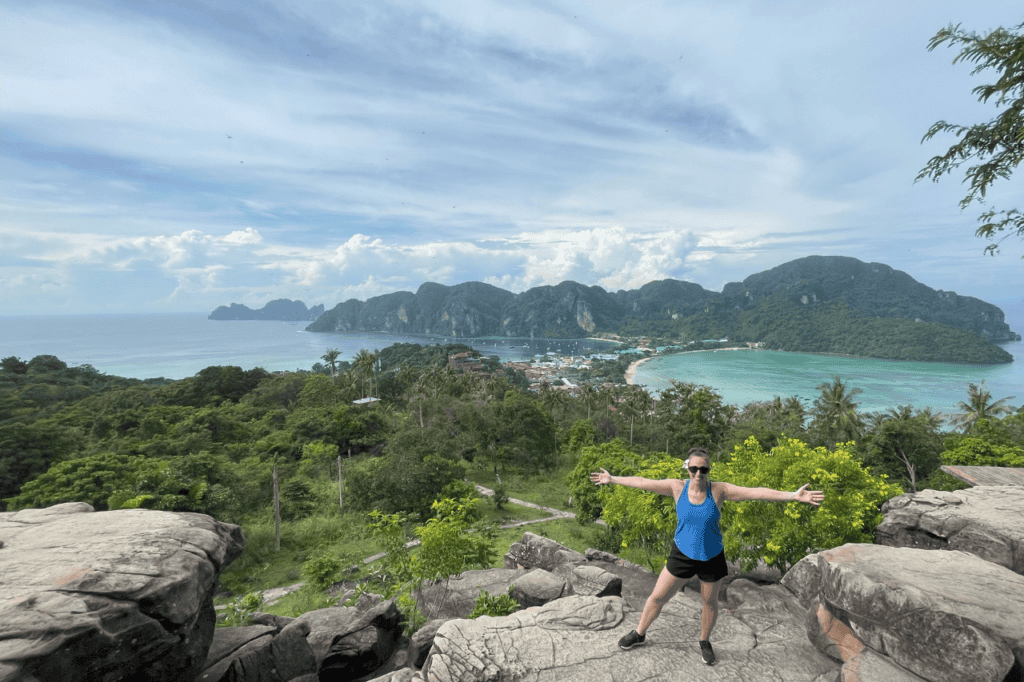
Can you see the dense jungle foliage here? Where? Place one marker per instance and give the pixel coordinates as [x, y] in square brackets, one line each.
[209, 443]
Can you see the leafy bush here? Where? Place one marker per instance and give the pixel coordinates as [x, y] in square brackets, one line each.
[320, 570]
[239, 612]
[414, 618]
[491, 605]
[646, 520]
[783, 533]
[500, 497]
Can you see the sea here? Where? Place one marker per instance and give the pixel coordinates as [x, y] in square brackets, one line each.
[745, 376]
[178, 345]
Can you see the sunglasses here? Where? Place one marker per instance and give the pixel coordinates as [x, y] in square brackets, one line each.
[703, 470]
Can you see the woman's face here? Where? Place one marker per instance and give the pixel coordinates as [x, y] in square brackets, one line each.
[699, 476]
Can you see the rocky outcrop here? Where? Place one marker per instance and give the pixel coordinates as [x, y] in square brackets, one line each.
[282, 309]
[110, 595]
[874, 289]
[259, 654]
[984, 521]
[828, 304]
[945, 616]
[865, 612]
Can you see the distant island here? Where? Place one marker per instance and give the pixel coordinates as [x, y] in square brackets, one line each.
[282, 309]
[818, 304]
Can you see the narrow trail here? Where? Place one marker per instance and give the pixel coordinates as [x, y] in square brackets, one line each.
[274, 594]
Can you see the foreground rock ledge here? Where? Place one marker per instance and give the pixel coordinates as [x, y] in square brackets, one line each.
[575, 639]
[89, 596]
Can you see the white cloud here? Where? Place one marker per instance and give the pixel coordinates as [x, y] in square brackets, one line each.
[157, 153]
[246, 236]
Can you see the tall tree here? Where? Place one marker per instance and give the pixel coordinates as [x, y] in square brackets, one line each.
[363, 364]
[835, 418]
[979, 405]
[331, 358]
[995, 148]
[903, 444]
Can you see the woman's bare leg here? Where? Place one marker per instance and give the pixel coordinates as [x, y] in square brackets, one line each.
[709, 613]
[664, 590]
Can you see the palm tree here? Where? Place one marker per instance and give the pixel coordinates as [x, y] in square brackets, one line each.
[331, 358]
[979, 405]
[588, 394]
[363, 364]
[637, 402]
[835, 412]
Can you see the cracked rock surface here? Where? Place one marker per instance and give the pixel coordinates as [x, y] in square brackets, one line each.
[946, 616]
[95, 596]
[984, 521]
[575, 639]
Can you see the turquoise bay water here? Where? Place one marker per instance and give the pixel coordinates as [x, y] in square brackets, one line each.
[744, 376]
[178, 345]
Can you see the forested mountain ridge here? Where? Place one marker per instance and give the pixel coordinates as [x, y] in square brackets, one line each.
[282, 309]
[818, 303]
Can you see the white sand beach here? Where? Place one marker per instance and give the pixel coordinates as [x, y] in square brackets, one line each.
[630, 373]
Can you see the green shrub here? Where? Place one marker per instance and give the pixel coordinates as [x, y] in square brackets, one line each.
[490, 605]
[239, 612]
[414, 618]
[321, 569]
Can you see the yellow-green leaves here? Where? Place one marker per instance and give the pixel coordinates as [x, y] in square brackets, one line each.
[783, 533]
[646, 520]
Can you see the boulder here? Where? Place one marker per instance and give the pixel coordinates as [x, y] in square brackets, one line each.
[985, 521]
[403, 675]
[365, 646]
[575, 639]
[598, 555]
[591, 581]
[270, 657]
[277, 622]
[637, 582]
[422, 640]
[229, 642]
[92, 595]
[538, 587]
[945, 616]
[534, 551]
[456, 596]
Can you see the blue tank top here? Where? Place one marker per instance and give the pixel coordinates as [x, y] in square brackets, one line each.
[697, 533]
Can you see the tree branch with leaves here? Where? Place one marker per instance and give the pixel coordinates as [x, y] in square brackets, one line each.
[995, 148]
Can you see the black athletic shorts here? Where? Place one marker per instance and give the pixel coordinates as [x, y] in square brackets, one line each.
[682, 566]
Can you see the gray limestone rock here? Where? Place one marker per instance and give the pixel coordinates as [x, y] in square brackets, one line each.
[985, 521]
[92, 595]
[367, 644]
[269, 657]
[590, 580]
[534, 551]
[422, 640]
[597, 555]
[277, 622]
[538, 587]
[946, 616]
[456, 597]
[574, 639]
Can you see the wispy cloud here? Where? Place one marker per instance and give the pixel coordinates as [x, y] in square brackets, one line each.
[180, 156]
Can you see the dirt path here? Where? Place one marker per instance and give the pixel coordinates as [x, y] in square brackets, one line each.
[276, 593]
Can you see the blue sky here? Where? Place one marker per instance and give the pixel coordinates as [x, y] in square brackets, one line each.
[176, 156]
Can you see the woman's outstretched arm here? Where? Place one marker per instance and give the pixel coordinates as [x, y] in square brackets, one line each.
[665, 486]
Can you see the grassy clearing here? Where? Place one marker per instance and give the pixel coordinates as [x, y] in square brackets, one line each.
[548, 490]
[261, 567]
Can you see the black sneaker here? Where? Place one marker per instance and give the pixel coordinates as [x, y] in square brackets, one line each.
[631, 640]
[706, 652]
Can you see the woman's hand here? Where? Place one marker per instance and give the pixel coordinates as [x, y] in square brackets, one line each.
[809, 496]
[600, 478]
